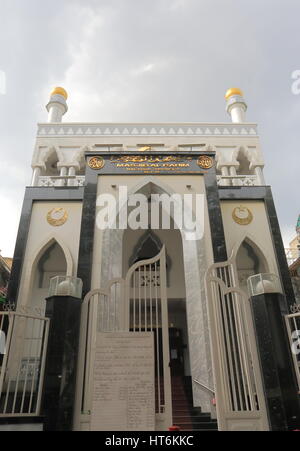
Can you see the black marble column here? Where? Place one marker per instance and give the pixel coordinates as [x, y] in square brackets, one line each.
[85, 257]
[279, 382]
[215, 216]
[61, 362]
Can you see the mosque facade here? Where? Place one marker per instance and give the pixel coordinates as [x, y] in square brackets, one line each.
[169, 286]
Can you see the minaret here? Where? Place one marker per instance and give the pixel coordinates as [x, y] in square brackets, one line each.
[57, 105]
[235, 105]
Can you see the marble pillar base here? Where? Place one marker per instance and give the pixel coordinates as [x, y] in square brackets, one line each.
[279, 383]
[61, 362]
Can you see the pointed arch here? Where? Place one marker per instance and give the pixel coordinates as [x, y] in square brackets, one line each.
[148, 246]
[252, 241]
[112, 239]
[47, 243]
[151, 185]
[244, 163]
[148, 180]
[249, 260]
[32, 264]
[50, 160]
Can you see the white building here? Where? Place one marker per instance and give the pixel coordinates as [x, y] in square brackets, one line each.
[159, 281]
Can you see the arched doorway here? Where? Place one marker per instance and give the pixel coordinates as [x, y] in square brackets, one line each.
[188, 305]
[142, 245]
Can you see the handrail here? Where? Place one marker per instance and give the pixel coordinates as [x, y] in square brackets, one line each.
[204, 387]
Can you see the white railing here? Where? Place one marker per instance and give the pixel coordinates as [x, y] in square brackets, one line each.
[58, 180]
[132, 305]
[23, 344]
[237, 377]
[293, 328]
[204, 387]
[237, 180]
[147, 278]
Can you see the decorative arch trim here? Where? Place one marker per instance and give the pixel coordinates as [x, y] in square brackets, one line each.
[45, 245]
[242, 156]
[149, 234]
[32, 263]
[51, 151]
[251, 241]
[165, 189]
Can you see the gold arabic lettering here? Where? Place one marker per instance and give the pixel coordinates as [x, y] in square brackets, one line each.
[148, 158]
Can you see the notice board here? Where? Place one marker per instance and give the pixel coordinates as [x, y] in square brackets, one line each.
[123, 393]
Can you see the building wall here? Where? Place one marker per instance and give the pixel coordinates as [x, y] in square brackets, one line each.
[294, 243]
[237, 146]
[40, 235]
[257, 232]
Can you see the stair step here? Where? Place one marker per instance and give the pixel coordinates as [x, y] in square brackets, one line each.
[205, 425]
[185, 415]
[189, 427]
[195, 420]
[199, 430]
[181, 412]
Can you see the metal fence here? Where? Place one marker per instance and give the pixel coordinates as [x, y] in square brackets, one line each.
[293, 329]
[23, 345]
[238, 383]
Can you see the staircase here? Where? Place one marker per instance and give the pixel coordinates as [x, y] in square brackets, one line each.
[187, 417]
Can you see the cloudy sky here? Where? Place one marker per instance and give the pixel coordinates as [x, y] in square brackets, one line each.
[149, 60]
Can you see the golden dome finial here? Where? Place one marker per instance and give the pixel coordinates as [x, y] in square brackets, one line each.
[59, 90]
[233, 92]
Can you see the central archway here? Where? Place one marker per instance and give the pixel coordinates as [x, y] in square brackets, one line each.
[193, 258]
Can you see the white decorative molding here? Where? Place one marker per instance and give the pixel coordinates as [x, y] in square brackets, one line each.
[295, 308]
[163, 129]
[238, 180]
[50, 181]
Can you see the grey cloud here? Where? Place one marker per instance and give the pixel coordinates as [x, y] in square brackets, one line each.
[194, 50]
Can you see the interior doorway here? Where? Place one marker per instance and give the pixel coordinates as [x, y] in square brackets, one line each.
[176, 351]
[141, 245]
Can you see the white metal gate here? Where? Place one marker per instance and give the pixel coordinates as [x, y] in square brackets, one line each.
[137, 303]
[293, 329]
[238, 384]
[23, 343]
